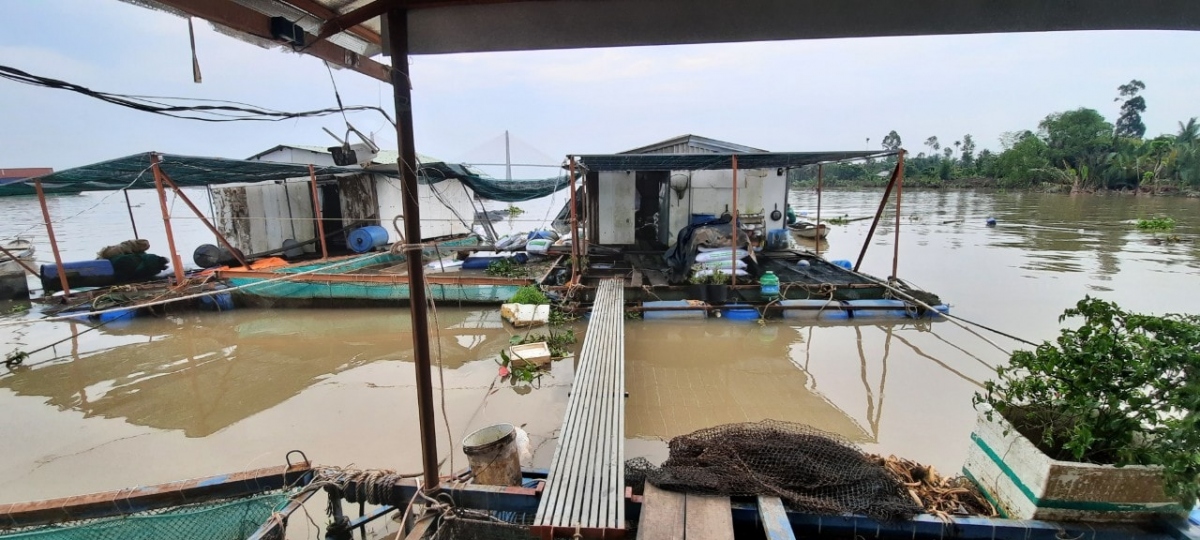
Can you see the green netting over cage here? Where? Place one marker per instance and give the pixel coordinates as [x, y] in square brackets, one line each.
[225, 520]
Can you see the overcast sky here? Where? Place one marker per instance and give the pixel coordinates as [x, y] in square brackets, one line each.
[801, 95]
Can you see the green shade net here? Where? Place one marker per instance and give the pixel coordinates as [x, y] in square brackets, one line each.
[493, 188]
[225, 520]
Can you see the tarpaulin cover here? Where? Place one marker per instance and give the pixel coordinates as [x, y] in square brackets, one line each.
[718, 161]
[134, 172]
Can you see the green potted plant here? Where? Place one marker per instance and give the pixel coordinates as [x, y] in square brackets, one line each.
[717, 289]
[1103, 424]
[697, 285]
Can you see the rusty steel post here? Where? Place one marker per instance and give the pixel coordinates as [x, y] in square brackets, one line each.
[899, 192]
[397, 21]
[312, 174]
[734, 223]
[574, 228]
[162, 203]
[62, 272]
[129, 207]
[221, 238]
[820, 180]
[878, 213]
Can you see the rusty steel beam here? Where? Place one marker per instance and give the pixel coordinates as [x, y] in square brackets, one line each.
[166, 215]
[887, 192]
[246, 20]
[140, 499]
[58, 264]
[899, 193]
[324, 13]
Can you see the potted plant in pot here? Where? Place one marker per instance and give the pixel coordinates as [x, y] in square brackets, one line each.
[697, 285]
[717, 290]
[1103, 424]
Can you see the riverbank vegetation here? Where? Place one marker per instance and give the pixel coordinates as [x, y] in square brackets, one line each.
[1077, 150]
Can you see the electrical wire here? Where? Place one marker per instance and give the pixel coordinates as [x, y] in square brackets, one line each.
[220, 111]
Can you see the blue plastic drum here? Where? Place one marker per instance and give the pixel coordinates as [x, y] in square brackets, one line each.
[367, 238]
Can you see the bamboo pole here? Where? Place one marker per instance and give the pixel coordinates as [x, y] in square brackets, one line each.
[733, 253]
[220, 238]
[899, 192]
[574, 228]
[58, 264]
[312, 174]
[166, 215]
[820, 181]
[878, 213]
[129, 207]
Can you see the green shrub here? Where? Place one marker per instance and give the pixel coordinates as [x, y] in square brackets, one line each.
[529, 294]
[1122, 389]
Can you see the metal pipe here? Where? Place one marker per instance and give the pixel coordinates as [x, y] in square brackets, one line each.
[220, 238]
[734, 223]
[17, 260]
[574, 228]
[129, 207]
[820, 181]
[899, 193]
[62, 272]
[397, 20]
[312, 174]
[162, 203]
[878, 213]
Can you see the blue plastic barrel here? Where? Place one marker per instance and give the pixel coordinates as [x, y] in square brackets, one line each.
[222, 301]
[97, 273]
[651, 314]
[844, 264]
[777, 240]
[740, 312]
[367, 238]
[701, 218]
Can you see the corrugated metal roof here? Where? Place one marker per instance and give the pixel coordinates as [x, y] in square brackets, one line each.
[384, 157]
[693, 144]
[718, 161]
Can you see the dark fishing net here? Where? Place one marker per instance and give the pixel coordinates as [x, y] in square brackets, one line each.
[810, 470]
[484, 526]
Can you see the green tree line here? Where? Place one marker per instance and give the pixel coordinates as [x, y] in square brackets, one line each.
[1078, 150]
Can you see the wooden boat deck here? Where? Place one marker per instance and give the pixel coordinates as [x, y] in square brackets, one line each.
[666, 515]
[585, 488]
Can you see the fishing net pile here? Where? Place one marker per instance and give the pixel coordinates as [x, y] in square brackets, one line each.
[810, 470]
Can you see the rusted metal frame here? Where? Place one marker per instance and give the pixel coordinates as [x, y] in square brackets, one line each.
[220, 237]
[275, 528]
[820, 184]
[129, 208]
[140, 499]
[324, 13]
[248, 21]
[733, 252]
[316, 201]
[386, 279]
[878, 214]
[899, 193]
[17, 260]
[477, 496]
[574, 228]
[166, 215]
[397, 21]
[58, 264]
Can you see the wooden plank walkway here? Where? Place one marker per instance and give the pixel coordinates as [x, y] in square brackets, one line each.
[585, 487]
[667, 515]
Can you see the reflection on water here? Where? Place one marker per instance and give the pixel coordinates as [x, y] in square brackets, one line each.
[209, 392]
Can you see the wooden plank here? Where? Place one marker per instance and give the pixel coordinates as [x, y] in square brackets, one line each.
[662, 515]
[656, 277]
[774, 519]
[635, 279]
[707, 518]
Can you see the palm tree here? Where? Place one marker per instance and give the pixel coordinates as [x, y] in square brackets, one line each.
[1189, 133]
[933, 145]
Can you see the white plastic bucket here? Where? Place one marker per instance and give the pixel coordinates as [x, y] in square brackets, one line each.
[492, 454]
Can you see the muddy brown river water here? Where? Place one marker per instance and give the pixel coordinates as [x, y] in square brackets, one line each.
[197, 394]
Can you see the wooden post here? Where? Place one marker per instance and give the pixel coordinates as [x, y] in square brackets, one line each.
[62, 272]
[734, 223]
[878, 213]
[312, 174]
[899, 192]
[162, 203]
[820, 180]
[220, 238]
[574, 228]
[129, 207]
[397, 21]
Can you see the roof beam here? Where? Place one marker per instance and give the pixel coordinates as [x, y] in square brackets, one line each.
[246, 20]
[377, 8]
[325, 14]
